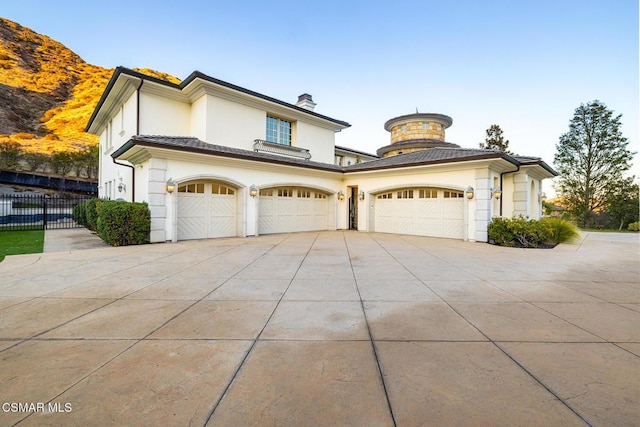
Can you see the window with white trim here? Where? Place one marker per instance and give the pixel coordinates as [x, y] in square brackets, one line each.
[384, 196]
[453, 194]
[405, 194]
[285, 192]
[428, 193]
[320, 196]
[266, 192]
[191, 188]
[222, 189]
[278, 131]
[304, 194]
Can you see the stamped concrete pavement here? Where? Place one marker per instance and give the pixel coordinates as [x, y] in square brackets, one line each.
[329, 328]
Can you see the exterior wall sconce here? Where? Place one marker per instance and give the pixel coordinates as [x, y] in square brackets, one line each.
[171, 186]
[121, 187]
[361, 195]
[497, 193]
[543, 197]
[469, 192]
[340, 195]
[253, 191]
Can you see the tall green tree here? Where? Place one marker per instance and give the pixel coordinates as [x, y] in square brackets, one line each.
[494, 140]
[623, 202]
[590, 158]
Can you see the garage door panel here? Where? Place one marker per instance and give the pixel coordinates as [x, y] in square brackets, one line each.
[191, 228]
[205, 215]
[452, 209]
[223, 206]
[286, 206]
[417, 215]
[428, 209]
[191, 205]
[303, 211]
[222, 227]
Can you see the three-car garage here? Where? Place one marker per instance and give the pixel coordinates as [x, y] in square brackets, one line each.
[210, 209]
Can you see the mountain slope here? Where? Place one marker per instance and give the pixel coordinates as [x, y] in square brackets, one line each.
[47, 92]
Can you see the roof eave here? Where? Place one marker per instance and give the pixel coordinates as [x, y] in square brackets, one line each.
[284, 161]
[212, 80]
[361, 168]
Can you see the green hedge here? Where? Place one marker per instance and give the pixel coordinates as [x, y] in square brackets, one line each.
[117, 223]
[634, 226]
[80, 213]
[123, 223]
[91, 213]
[528, 233]
[86, 213]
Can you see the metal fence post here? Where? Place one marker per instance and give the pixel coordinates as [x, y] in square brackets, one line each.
[44, 215]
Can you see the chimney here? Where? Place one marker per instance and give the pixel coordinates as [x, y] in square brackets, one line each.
[306, 101]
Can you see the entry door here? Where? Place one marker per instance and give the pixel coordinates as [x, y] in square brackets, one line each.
[353, 208]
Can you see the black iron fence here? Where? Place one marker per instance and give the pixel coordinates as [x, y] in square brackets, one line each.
[37, 212]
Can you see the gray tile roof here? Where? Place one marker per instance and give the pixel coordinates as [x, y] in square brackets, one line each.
[430, 156]
[423, 157]
[195, 145]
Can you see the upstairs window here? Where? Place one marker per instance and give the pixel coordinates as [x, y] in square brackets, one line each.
[278, 131]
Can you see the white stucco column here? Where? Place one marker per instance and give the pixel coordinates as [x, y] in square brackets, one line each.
[520, 194]
[253, 205]
[158, 199]
[483, 204]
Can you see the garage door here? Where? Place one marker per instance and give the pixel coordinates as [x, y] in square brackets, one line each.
[290, 209]
[206, 210]
[432, 212]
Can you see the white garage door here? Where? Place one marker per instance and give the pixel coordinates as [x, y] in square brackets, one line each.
[290, 209]
[206, 210]
[431, 212]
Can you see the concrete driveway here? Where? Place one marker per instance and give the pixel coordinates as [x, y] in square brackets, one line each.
[330, 328]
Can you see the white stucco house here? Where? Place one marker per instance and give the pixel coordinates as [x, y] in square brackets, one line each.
[213, 159]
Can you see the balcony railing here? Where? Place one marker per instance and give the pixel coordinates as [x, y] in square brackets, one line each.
[285, 150]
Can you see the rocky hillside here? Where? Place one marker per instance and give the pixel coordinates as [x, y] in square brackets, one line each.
[47, 92]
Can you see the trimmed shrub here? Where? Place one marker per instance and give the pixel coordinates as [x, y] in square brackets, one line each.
[519, 232]
[561, 230]
[500, 232]
[91, 213]
[634, 226]
[80, 213]
[123, 223]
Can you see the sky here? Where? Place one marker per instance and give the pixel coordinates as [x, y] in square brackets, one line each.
[523, 65]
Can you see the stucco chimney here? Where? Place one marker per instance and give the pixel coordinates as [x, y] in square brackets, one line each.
[306, 101]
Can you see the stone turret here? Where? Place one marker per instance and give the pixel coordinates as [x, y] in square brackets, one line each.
[413, 132]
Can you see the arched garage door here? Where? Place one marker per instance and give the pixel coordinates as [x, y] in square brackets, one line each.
[290, 209]
[434, 212]
[206, 209]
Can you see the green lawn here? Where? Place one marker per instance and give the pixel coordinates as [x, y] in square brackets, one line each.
[21, 242]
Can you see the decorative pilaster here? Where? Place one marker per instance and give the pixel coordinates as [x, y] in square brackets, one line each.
[520, 194]
[483, 204]
[157, 195]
